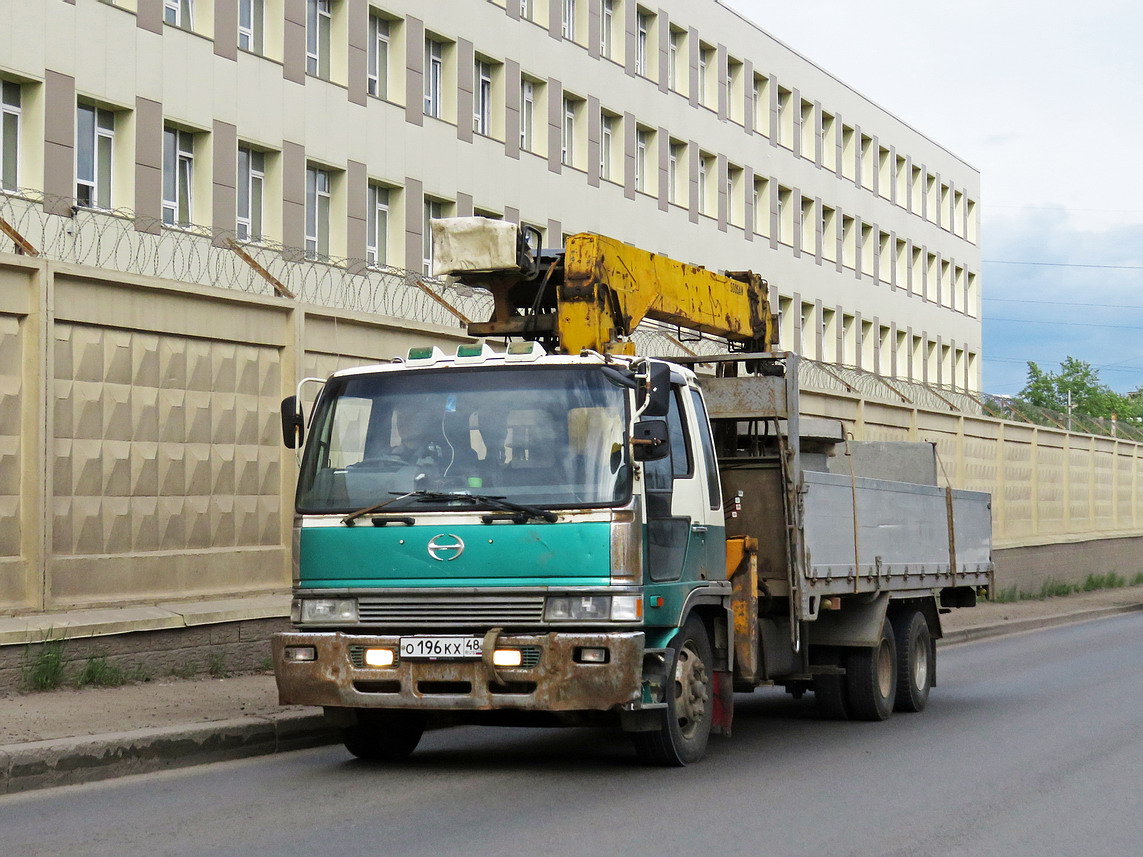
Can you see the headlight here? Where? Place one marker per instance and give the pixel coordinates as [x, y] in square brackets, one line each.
[594, 608]
[328, 610]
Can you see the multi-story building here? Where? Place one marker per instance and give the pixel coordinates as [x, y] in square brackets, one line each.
[339, 127]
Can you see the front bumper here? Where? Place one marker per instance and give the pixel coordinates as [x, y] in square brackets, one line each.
[557, 682]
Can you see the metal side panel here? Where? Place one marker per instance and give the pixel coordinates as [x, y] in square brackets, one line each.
[902, 535]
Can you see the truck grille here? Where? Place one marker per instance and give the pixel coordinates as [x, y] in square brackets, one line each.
[453, 610]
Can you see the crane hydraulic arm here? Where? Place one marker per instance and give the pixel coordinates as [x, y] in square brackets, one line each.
[594, 293]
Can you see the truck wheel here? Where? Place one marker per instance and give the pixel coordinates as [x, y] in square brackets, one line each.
[686, 721]
[830, 691]
[914, 661]
[384, 735]
[871, 678]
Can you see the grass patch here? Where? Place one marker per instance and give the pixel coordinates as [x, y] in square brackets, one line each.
[216, 666]
[44, 664]
[266, 665]
[187, 670]
[1058, 589]
[99, 672]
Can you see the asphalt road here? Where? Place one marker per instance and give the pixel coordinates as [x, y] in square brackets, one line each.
[1032, 745]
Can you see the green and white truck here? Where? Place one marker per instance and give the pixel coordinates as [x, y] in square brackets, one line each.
[522, 536]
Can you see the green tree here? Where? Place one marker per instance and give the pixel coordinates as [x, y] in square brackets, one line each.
[1089, 396]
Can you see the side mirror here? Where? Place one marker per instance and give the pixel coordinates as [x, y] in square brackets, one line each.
[655, 390]
[650, 440]
[293, 423]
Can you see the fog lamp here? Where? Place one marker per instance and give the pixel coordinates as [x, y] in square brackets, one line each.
[592, 655]
[379, 657]
[507, 658]
[297, 654]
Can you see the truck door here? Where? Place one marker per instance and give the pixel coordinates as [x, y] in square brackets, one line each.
[708, 530]
[669, 487]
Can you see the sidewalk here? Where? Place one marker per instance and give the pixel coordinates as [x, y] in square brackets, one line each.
[72, 736]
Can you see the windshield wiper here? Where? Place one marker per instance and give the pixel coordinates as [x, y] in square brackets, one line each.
[349, 519]
[489, 499]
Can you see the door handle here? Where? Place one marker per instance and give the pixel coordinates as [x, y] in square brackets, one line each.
[698, 528]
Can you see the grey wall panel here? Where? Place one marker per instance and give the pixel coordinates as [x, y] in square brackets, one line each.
[224, 175]
[664, 170]
[594, 27]
[748, 96]
[148, 164]
[722, 177]
[555, 121]
[356, 209]
[692, 180]
[59, 142]
[358, 59]
[594, 135]
[629, 32]
[414, 74]
[723, 90]
[629, 129]
[294, 41]
[511, 107]
[465, 72]
[555, 19]
[748, 210]
[293, 195]
[149, 16]
[464, 206]
[226, 29]
[555, 236]
[414, 223]
[663, 59]
[693, 66]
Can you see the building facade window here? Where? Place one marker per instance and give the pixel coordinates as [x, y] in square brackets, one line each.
[676, 53]
[318, 194]
[676, 172]
[251, 186]
[178, 177]
[434, 210]
[527, 114]
[642, 35]
[94, 145]
[607, 29]
[9, 134]
[642, 147]
[567, 136]
[607, 140]
[319, 24]
[377, 237]
[179, 13]
[569, 20]
[378, 72]
[434, 78]
[527, 12]
[482, 98]
[251, 24]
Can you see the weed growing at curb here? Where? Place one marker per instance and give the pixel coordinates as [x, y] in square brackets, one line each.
[98, 672]
[187, 670]
[44, 670]
[216, 666]
[1057, 589]
[266, 665]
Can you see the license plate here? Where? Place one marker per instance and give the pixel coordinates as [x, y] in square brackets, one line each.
[444, 648]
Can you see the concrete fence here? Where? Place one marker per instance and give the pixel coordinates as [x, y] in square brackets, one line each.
[141, 460]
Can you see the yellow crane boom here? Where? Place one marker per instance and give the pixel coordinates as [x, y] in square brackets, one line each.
[594, 293]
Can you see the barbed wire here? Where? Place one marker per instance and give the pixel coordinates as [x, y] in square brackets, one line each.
[124, 241]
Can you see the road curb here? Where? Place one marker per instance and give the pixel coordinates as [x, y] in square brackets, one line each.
[68, 761]
[1017, 626]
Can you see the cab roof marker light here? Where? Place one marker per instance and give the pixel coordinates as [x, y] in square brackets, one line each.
[524, 352]
[476, 352]
[425, 354]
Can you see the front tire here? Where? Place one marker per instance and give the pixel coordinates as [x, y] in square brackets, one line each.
[384, 736]
[686, 721]
[915, 663]
[871, 678]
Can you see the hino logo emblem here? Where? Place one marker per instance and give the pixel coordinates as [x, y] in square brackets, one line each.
[445, 547]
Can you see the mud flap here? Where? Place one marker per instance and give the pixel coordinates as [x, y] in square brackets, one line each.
[723, 713]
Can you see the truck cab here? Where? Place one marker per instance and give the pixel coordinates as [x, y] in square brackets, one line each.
[488, 535]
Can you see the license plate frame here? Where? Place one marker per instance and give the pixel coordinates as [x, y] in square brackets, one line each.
[441, 647]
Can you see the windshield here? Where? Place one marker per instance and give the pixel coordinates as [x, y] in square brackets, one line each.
[544, 436]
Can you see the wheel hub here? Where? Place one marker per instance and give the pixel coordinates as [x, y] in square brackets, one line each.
[691, 690]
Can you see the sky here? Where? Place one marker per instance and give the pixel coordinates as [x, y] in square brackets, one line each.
[1046, 100]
